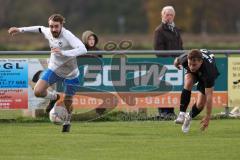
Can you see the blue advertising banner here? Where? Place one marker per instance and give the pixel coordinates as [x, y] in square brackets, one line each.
[13, 84]
[127, 74]
[13, 73]
[142, 82]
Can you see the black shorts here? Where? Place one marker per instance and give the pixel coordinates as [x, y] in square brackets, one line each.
[200, 83]
[201, 87]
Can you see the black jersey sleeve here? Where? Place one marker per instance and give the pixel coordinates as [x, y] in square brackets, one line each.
[210, 69]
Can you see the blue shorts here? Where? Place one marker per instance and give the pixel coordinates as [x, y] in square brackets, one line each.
[70, 85]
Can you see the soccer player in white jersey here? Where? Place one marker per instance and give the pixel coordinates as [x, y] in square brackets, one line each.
[65, 47]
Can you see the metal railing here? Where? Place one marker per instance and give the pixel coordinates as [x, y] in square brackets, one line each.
[132, 52]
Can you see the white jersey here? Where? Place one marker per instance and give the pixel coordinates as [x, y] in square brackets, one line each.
[64, 65]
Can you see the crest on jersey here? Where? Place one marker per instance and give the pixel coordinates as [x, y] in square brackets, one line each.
[60, 44]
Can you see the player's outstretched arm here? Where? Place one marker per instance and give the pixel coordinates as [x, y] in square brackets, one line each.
[13, 30]
[77, 45]
[33, 29]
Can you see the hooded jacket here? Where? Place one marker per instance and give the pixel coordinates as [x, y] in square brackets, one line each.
[85, 36]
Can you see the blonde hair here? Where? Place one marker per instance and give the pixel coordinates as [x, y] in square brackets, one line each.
[168, 8]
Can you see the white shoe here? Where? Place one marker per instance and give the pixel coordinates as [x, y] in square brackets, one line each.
[180, 119]
[186, 123]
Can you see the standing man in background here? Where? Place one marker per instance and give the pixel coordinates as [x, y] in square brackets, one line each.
[167, 37]
[62, 66]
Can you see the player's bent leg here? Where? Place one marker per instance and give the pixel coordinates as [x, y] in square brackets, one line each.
[40, 89]
[48, 78]
[71, 87]
[199, 105]
[68, 105]
[185, 97]
[189, 80]
[201, 99]
[55, 98]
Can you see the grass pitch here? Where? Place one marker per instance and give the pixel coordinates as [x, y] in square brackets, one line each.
[120, 140]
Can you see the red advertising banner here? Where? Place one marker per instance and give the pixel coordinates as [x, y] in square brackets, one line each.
[139, 100]
[13, 98]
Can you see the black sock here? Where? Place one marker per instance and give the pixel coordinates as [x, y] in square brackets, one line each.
[195, 111]
[185, 99]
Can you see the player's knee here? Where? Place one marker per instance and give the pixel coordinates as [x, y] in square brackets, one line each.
[38, 93]
[188, 84]
[200, 106]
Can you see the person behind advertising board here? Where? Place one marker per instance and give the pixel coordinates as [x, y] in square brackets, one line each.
[167, 37]
[90, 40]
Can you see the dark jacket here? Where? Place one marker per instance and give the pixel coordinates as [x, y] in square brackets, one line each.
[167, 39]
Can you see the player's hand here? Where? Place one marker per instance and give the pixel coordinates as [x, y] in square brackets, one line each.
[13, 30]
[205, 122]
[56, 51]
[177, 63]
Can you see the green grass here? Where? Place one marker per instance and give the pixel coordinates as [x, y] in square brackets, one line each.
[10, 114]
[120, 140]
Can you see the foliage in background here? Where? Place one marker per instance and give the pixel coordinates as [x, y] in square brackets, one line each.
[105, 16]
[202, 16]
[135, 16]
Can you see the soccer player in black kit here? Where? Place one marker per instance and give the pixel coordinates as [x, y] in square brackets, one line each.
[201, 69]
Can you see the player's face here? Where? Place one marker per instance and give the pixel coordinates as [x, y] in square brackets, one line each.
[168, 16]
[91, 41]
[194, 64]
[55, 28]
